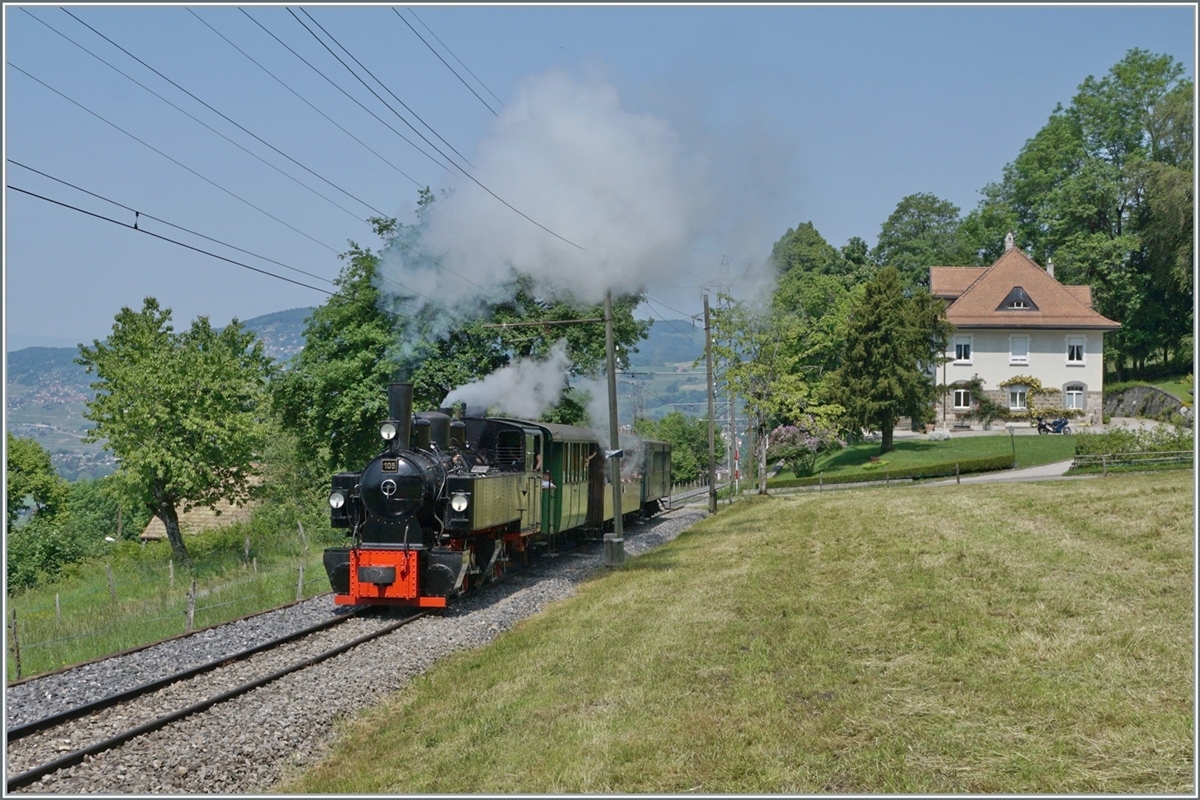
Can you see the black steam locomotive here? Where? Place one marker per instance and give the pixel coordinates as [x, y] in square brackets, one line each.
[454, 499]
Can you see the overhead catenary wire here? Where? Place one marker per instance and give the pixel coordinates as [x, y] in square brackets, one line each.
[305, 100]
[139, 214]
[436, 53]
[134, 227]
[451, 52]
[195, 118]
[452, 162]
[367, 86]
[171, 159]
[351, 97]
[226, 118]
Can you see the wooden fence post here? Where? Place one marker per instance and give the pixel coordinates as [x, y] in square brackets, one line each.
[303, 540]
[957, 478]
[57, 609]
[16, 644]
[171, 573]
[300, 583]
[246, 550]
[1104, 464]
[191, 607]
[821, 482]
[887, 477]
[254, 561]
[112, 589]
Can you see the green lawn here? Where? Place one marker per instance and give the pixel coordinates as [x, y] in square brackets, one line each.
[1175, 386]
[956, 639]
[1031, 451]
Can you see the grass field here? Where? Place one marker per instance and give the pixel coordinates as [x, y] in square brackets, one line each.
[76, 618]
[1031, 451]
[988, 638]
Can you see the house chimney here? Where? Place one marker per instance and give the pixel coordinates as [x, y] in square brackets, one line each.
[1008, 242]
[1050, 268]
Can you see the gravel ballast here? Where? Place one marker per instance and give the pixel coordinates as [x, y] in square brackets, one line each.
[249, 744]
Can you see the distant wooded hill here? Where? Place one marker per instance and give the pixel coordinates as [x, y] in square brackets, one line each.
[47, 391]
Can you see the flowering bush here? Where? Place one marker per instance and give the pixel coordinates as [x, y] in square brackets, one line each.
[939, 435]
[799, 445]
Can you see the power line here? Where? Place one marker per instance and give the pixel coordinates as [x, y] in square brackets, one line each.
[435, 52]
[664, 305]
[193, 117]
[167, 239]
[451, 52]
[343, 91]
[372, 91]
[452, 162]
[304, 99]
[169, 158]
[223, 116]
[138, 214]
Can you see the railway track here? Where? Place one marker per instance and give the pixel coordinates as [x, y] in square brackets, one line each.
[39, 748]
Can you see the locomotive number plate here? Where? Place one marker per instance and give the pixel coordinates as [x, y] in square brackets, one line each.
[390, 465]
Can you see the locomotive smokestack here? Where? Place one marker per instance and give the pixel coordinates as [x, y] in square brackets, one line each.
[400, 409]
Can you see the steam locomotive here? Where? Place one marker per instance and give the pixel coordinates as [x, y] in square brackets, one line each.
[453, 500]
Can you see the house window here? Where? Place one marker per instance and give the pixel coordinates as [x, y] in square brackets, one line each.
[1018, 350]
[1074, 396]
[962, 399]
[1016, 398]
[962, 349]
[1076, 351]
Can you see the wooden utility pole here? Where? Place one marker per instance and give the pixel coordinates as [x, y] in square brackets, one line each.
[614, 543]
[712, 421]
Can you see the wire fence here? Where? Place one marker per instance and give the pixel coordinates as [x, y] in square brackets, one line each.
[47, 636]
[1106, 461]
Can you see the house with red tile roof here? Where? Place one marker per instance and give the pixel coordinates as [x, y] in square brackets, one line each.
[1013, 320]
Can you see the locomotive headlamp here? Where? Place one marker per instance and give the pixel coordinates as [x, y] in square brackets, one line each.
[388, 431]
[336, 499]
[459, 503]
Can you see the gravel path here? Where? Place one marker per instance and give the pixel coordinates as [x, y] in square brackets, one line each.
[249, 744]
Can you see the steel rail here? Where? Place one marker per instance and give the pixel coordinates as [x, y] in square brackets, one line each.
[76, 757]
[21, 731]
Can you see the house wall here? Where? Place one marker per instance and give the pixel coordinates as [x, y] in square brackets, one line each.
[992, 360]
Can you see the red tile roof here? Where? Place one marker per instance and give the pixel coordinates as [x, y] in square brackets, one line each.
[976, 294]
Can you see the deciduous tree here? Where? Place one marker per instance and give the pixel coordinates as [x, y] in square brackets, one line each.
[184, 413]
[30, 476]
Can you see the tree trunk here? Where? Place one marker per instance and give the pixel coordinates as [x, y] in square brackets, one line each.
[885, 428]
[166, 512]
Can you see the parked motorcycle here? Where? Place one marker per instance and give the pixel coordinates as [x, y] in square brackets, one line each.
[1053, 426]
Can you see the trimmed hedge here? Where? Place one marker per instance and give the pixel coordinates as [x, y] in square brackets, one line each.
[989, 464]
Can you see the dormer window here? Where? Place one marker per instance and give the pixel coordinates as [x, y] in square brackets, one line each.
[1017, 300]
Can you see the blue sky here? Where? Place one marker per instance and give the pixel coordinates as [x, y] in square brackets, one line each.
[686, 136]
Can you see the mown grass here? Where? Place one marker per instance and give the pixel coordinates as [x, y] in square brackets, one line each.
[991, 638]
[150, 605]
[1031, 451]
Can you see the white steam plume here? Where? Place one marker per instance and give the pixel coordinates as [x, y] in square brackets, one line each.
[567, 154]
[524, 388]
